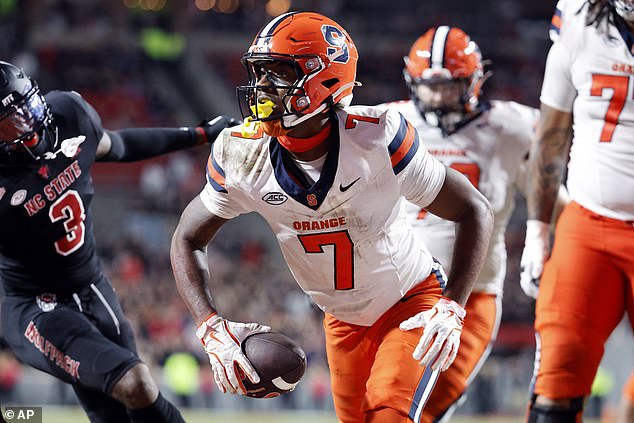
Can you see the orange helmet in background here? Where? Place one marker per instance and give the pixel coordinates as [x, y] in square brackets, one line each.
[445, 55]
[325, 61]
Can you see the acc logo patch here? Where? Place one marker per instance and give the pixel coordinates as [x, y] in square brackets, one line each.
[18, 197]
[275, 198]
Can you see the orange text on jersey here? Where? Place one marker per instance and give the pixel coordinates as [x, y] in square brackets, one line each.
[315, 225]
[446, 152]
[622, 67]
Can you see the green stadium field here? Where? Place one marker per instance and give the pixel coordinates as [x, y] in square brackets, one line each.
[55, 414]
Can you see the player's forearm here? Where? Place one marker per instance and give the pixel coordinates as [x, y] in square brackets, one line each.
[188, 255]
[133, 144]
[473, 233]
[548, 158]
[191, 272]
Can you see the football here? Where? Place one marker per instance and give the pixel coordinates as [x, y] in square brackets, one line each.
[279, 361]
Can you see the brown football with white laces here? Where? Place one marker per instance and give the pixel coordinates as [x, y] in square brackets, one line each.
[279, 361]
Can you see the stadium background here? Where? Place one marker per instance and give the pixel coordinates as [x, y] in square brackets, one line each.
[175, 62]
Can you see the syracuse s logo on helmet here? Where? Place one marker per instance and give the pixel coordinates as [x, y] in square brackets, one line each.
[333, 36]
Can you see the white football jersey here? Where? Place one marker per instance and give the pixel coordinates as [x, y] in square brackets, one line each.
[345, 238]
[589, 72]
[491, 150]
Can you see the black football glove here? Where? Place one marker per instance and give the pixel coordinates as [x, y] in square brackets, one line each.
[209, 130]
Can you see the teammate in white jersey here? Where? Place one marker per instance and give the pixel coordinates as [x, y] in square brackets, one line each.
[331, 181]
[488, 143]
[587, 283]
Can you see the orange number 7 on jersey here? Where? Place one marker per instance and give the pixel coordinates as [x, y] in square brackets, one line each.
[619, 85]
[342, 245]
[351, 120]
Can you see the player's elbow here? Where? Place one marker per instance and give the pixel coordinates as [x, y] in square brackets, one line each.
[179, 245]
[184, 244]
[481, 213]
[487, 214]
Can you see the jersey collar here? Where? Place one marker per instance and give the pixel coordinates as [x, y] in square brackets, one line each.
[626, 33]
[307, 143]
[292, 180]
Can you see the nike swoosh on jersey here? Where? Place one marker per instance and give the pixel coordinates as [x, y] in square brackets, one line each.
[345, 188]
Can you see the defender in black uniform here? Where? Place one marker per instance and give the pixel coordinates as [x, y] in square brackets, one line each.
[60, 313]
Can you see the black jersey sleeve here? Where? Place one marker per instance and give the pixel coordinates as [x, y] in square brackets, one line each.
[141, 143]
[128, 145]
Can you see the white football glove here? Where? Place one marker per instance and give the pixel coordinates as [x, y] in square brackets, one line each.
[221, 339]
[441, 337]
[536, 251]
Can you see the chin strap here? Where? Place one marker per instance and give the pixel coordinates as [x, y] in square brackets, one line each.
[44, 146]
[26, 152]
[294, 120]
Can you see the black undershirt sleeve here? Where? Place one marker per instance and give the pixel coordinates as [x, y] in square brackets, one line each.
[142, 143]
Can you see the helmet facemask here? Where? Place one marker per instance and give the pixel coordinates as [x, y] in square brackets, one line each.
[23, 126]
[285, 89]
[442, 100]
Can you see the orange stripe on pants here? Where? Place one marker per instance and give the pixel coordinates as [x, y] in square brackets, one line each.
[583, 293]
[373, 374]
[628, 389]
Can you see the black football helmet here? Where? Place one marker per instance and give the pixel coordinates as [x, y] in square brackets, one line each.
[26, 130]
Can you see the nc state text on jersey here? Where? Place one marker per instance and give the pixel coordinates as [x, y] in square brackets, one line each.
[315, 225]
[54, 188]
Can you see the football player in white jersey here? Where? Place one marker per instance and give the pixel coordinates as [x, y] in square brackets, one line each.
[331, 180]
[488, 143]
[587, 283]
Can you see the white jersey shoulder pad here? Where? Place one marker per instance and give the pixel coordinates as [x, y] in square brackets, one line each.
[515, 119]
[375, 125]
[568, 20]
[233, 154]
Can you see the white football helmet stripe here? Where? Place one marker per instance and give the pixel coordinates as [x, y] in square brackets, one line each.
[267, 31]
[438, 47]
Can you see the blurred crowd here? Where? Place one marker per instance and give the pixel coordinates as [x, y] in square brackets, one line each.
[101, 49]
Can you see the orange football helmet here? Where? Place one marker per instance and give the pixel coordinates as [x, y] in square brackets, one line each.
[442, 58]
[324, 58]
